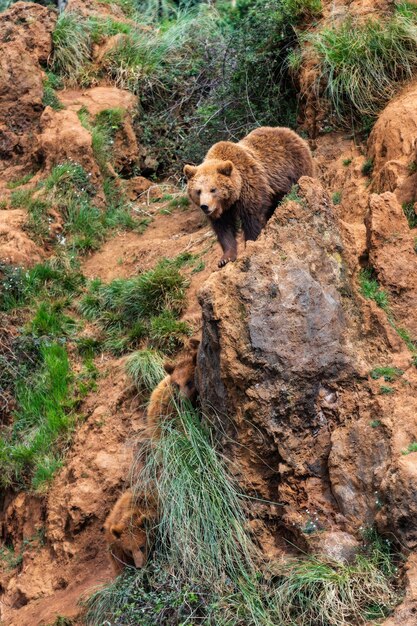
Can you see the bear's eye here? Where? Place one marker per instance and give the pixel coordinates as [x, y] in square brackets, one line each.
[213, 190]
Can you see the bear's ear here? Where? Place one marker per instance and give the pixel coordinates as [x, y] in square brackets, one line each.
[189, 171]
[169, 367]
[225, 168]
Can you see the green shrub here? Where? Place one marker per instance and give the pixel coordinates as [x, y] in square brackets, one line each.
[364, 62]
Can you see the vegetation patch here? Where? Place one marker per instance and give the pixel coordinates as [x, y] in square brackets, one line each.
[148, 305]
[72, 45]
[388, 373]
[361, 77]
[411, 448]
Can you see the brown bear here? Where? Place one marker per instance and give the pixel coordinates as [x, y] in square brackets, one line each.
[180, 378]
[126, 530]
[245, 181]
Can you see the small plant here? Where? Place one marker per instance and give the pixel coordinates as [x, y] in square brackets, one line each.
[410, 214]
[412, 167]
[389, 374]
[146, 368]
[367, 167]
[337, 197]
[375, 423]
[181, 202]
[370, 288]
[293, 196]
[385, 390]
[50, 85]
[346, 162]
[411, 448]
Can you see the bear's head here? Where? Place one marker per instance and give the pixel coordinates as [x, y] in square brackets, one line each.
[127, 529]
[182, 372]
[214, 186]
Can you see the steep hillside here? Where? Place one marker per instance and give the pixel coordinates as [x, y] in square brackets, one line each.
[288, 496]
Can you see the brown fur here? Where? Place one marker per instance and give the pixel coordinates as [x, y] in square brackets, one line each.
[126, 531]
[180, 378]
[245, 181]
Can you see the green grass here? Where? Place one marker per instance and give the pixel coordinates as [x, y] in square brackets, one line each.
[72, 42]
[50, 320]
[346, 162]
[293, 195]
[410, 214]
[50, 85]
[20, 181]
[370, 288]
[29, 450]
[314, 591]
[364, 62]
[388, 373]
[375, 423]
[411, 448]
[167, 333]
[145, 368]
[55, 277]
[337, 197]
[180, 202]
[148, 305]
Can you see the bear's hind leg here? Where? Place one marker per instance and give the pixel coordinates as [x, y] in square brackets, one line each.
[252, 226]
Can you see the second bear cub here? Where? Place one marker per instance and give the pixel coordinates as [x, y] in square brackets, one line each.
[245, 181]
[181, 378]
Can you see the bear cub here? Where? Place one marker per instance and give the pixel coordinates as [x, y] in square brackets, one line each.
[126, 531]
[245, 181]
[181, 379]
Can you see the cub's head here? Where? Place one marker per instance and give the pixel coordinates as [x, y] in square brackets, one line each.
[213, 186]
[182, 372]
[127, 529]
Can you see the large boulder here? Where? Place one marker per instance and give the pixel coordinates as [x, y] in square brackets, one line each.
[287, 348]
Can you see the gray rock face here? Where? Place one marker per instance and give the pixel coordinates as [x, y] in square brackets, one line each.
[277, 366]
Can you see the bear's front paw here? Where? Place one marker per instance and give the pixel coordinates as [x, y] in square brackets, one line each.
[226, 258]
